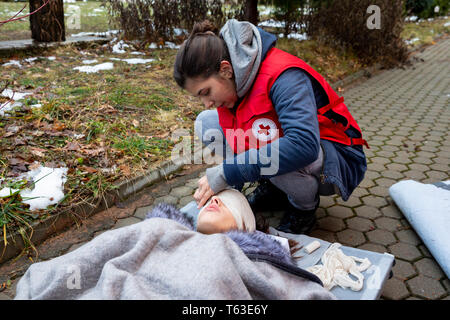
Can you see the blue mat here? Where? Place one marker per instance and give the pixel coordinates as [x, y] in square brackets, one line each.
[427, 208]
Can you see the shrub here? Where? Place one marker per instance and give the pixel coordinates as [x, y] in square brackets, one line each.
[158, 20]
[343, 23]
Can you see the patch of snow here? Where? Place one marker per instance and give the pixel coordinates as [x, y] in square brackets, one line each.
[119, 47]
[48, 187]
[89, 61]
[37, 105]
[137, 60]
[96, 68]
[171, 45]
[8, 106]
[51, 58]
[447, 24]
[13, 63]
[297, 36]
[411, 41]
[411, 18]
[30, 60]
[137, 53]
[153, 45]
[14, 95]
[271, 23]
[108, 33]
[6, 192]
[180, 32]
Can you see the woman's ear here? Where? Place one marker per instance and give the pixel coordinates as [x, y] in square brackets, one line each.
[226, 69]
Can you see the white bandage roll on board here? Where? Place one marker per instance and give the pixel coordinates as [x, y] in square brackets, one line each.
[312, 246]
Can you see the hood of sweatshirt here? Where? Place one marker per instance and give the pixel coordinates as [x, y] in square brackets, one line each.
[248, 46]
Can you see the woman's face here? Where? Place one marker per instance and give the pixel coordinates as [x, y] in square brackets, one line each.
[215, 218]
[216, 91]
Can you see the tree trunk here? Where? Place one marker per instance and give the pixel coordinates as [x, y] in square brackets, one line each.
[47, 24]
[251, 11]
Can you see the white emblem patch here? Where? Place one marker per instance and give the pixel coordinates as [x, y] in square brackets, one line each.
[264, 129]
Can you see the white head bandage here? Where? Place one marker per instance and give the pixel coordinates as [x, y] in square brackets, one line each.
[238, 205]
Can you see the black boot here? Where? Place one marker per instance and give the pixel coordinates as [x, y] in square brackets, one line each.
[298, 221]
[267, 197]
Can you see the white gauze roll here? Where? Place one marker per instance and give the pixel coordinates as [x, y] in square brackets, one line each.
[237, 203]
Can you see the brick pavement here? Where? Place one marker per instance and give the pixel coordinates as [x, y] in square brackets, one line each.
[404, 116]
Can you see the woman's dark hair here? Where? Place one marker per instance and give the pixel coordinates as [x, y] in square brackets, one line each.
[201, 54]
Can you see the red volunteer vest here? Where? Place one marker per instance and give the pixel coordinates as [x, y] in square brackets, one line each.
[256, 121]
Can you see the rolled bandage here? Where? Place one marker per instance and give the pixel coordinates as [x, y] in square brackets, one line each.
[312, 246]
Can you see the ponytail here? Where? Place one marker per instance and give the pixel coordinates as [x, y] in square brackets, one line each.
[201, 54]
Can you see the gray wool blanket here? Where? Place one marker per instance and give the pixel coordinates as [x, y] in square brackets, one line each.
[163, 257]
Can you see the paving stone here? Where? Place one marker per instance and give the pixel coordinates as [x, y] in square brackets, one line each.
[324, 235]
[379, 191]
[438, 175]
[326, 202]
[185, 200]
[396, 167]
[340, 212]
[76, 246]
[368, 212]
[375, 247]
[352, 202]
[331, 224]
[4, 296]
[408, 236]
[193, 183]
[359, 192]
[126, 222]
[360, 224]
[141, 212]
[374, 201]
[414, 175]
[182, 191]
[380, 160]
[392, 211]
[423, 160]
[403, 270]
[429, 268]
[394, 289]
[166, 199]
[388, 224]
[426, 287]
[405, 251]
[381, 236]
[351, 237]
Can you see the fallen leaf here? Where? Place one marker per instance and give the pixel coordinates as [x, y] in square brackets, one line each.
[89, 169]
[72, 146]
[59, 126]
[125, 169]
[38, 151]
[135, 123]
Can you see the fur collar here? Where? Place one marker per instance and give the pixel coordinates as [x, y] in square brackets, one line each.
[252, 243]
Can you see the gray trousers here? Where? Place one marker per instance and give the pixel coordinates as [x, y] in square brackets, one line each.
[302, 186]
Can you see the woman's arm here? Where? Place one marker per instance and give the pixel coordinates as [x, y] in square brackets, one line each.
[293, 97]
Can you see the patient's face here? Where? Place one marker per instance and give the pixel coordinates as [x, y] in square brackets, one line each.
[215, 218]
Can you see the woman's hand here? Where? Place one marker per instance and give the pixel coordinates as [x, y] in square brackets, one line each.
[203, 192]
